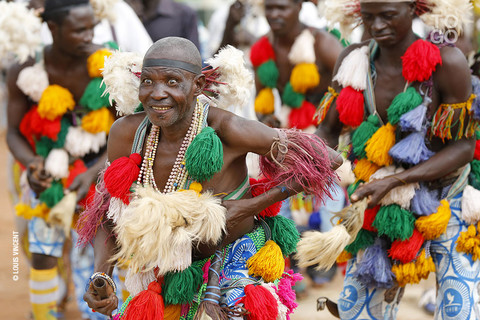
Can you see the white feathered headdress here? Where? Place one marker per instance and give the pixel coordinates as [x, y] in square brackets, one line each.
[103, 9]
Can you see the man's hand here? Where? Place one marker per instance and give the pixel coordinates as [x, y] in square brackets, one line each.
[374, 190]
[37, 177]
[236, 13]
[104, 306]
[237, 212]
[82, 183]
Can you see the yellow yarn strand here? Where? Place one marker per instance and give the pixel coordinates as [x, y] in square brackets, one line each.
[434, 225]
[98, 121]
[55, 102]
[96, 61]
[364, 169]
[469, 242]
[172, 312]
[405, 273]
[344, 257]
[424, 265]
[265, 102]
[267, 263]
[379, 144]
[304, 76]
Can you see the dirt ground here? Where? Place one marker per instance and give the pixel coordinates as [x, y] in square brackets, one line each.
[14, 300]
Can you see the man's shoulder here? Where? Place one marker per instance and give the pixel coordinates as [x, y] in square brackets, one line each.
[125, 127]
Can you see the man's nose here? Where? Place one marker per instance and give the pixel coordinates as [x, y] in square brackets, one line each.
[159, 91]
[88, 36]
[378, 24]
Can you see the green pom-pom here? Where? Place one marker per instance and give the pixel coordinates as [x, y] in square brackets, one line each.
[180, 287]
[139, 108]
[363, 240]
[292, 98]
[353, 187]
[284, 233]
[44, 145]
[474, 177]
[363, 133]
[394, 222]
[403, 102]
[204, 156]
[268, 74]
[92, 96]
[52, 195]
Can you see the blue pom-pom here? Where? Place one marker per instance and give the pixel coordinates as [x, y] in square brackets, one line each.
[425, 202]
[476, 102]
[413, 120]
[412, 149]
[374, 270]
[315, 221]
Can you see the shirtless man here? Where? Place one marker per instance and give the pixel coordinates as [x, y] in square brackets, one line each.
[389, 23]
[286, 30]
[168, 91]
[71, 24]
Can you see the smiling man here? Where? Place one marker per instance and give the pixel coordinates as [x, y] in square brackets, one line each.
[407, 103]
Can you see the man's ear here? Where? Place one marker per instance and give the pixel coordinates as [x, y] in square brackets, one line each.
[52, 26]
[199, 82]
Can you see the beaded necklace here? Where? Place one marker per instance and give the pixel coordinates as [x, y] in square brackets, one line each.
[178, 175]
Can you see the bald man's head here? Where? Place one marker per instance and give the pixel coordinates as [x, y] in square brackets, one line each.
[174, 52]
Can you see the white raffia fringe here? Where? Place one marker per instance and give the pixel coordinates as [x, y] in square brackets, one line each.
[234, 72]
[139, 281]
[352, 217]
[79, 142]
[33, 81]
[282, 309]
[448, 14]
[19, 31]
[120, 81]
[471, 205]
[303, 49]
[158, 230]
[353, 70]
[56, 163]
[115, 209]
[62, 213]
[345, 13]
[322, 249]
[104, 9]
[402, 195]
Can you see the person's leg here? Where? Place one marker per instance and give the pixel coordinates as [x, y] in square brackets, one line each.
[458, 276]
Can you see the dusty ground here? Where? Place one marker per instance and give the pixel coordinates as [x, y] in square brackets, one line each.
[14, 301]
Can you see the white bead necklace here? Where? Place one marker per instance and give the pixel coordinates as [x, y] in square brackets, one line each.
[178, 175]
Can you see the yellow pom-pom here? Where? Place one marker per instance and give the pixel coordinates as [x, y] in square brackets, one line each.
[364, 169]
[424, 265]
[172, 312]
[469, 242]
[195, 186]
[304, 76]
[405, 273]
[25, 211]
[98, 121]
[55, 102]
[344, 257]
[96, 62]
[267, 263]
[434, 225]
[264, 102]
[379, 144]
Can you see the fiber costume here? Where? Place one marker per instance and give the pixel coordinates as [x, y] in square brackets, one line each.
[155, 230]
[417, 228]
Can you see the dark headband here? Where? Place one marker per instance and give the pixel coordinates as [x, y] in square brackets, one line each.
[52, 7]
[190, 67]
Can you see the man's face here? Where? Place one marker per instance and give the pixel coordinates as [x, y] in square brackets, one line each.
[167, 94]
[75, 33]
[282, 15]
[388, 23]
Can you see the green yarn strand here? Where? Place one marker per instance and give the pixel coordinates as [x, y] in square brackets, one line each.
[204, 156]
[363, 240]
[394, 222]
[291, 98]
[363, 133]
[474, 177]
[268, 74]
[353, 187]
[284, 233]
[180, 287]
[402, 103]
[92, 96]
[52, 195]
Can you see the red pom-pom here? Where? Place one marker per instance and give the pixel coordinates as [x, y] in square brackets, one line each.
[147, 305]
[261, 52]
[369, 217]
[405, 251]
[420, 61]
[476, 155]
[88, 199]
[77, 168]
[350, 106]
[120, 175]
[261, 304]
[258, 187]
[32, 125]
[302, 117]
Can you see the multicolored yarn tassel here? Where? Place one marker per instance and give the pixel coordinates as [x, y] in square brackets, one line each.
[374, 268]
[420, 61]
[406, 251]
[267, 263]
[363, 133]
[120, 176]
[379, 144]
[434, 225]
[403, 103]
[284, 233]
[350, 107]
[442, 122]
[325, 104]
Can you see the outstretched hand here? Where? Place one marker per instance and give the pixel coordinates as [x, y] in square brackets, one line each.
[104, 306]
[374, 191]
[81, 184]
[37, 177]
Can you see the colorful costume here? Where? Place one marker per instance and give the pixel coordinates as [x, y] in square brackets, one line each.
[417, 228]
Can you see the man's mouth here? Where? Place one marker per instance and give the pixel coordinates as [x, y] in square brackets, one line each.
[161, 108]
